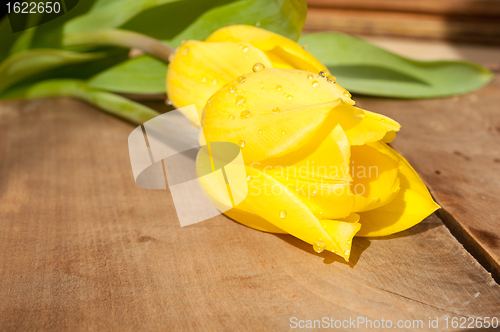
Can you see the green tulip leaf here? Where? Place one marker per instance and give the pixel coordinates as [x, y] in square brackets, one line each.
[363, 68]
[146, 73]
[109, 14]
[285, 17]
[108, 102]
[19, 66]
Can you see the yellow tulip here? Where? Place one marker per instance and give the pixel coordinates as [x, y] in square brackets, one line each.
[199, 69]
[318, 167]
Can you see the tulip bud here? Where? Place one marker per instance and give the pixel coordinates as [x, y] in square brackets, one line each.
[199, 69]
[317, 166]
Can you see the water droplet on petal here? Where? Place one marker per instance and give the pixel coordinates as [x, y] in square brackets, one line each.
[204, 80]
[232, 90]
[283, 132]
[359, 114]
[283, 214]
[242, 143]
[310, 76]
[332, 79]
[241, 79]
[347, 94]
[347, 252]
[278, 87]
[258, 67]
[241, 46]
[214, 82]
[260, 131]
[276, 109]
[319, 246]
[246, 49]
[323, 74]
[289, 97]
[245, 114]
[349, 242]
[315, 84]
[250, 177]
[231, 117]
[169, 102]
[239, 100]
[185, 51]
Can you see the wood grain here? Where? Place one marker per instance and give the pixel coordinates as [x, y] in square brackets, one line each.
[83, 248]
[454, 143]
[442, 7]
[403, 24]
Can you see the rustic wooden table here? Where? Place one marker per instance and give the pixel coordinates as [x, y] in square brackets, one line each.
[83, 248]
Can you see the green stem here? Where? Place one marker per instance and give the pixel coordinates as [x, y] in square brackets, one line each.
[120, 38]
[109, 102]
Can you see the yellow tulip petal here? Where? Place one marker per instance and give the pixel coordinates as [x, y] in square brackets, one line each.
[275, 204]
[199, 69]
[361, 126]
[375, 177]
[410, 206]
[272, 112]
[318, 175]
[283, 52]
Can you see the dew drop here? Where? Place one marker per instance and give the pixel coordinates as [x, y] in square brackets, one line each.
[246, 49]
[241, 79]
[332, 79]
[323, 74]
[347, 252]
[278, 87]
[276, 109]
[245, 114]
[242, 143]
[258, 67]
[304, 47]
[283, 132]
[319, 246]
[250, 177]
[239, 100]
[185, 51]
[315, 84]
[347, 94]
[214, 82]
[204, 80]
[232, 90]
[283, 214]
[257, 24]
[310, 76]
[260, 131]
[289, 97]
[169, 102]
[231, 117]
[241, 46]
[313, 192]
[349, 242]
[359, 114]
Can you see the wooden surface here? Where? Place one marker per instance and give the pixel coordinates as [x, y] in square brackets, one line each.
[475, 21]
[83, 248]
[443, 7]
[455, 145]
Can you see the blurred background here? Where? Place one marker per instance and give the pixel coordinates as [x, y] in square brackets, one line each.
[471, 21]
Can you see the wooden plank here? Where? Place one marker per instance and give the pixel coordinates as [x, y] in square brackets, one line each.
[83, 248]
[438, 27]
[443, 7]
[454, 143]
